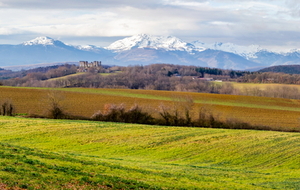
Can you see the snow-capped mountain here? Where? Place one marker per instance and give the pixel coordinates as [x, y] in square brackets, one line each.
[146, 49]
[46, 50]
[43, 40]
[247, 52]
[294, 51]
[168, 49]
[168, 43]
[86, 47]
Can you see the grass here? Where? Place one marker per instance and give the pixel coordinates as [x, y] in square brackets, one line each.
[57, 154]
[65, 77]
[262, 86]
[77, 74]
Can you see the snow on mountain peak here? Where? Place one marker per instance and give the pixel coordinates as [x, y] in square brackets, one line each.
[244, 51]
[295, 50]
[44, 40]
[168, 43]
[171, 43]
[86, 47]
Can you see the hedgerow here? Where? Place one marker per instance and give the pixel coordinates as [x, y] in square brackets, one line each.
[169, 117]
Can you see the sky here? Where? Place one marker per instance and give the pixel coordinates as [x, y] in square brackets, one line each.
[272, 24]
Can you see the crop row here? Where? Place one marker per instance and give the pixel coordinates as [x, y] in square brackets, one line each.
[45, 154]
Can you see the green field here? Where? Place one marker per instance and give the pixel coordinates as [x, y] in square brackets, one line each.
[62, 154]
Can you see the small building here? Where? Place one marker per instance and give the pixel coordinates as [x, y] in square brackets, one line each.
[85, 66]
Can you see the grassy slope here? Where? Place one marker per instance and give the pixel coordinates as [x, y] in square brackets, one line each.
[262, 86]
[76, 74]
[80, 101]
[65, 77]
[60, 154]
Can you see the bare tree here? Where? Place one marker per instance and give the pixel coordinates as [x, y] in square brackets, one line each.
[54, 105]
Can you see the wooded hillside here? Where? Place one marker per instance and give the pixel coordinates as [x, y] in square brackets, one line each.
[288, 69]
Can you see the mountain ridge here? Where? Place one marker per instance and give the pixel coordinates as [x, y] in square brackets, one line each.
[146, 49]
[169, 43]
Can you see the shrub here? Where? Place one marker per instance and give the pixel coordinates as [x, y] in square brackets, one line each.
[171, 116]
[118, 113]
[111, 112]
[56, 112]
[179, 114]
[7, 108]
[137, 115]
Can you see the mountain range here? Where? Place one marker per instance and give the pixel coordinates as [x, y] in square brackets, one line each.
[145, 49]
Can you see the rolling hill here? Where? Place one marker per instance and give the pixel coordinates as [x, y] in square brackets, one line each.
[61, 154]
[288, 69]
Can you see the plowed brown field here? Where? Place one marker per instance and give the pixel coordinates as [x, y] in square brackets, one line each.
[274, 112]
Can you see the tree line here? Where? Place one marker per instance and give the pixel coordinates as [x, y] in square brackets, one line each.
[155, 77]
[160, 77]
[270, 77]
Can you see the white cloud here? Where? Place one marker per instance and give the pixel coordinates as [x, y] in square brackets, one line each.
[190, 4]
[294, 7]
[9, 31]
[2, 4]
[266, 22]
[75, 4]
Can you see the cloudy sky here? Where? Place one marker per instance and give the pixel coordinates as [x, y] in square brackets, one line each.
[269, 23]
